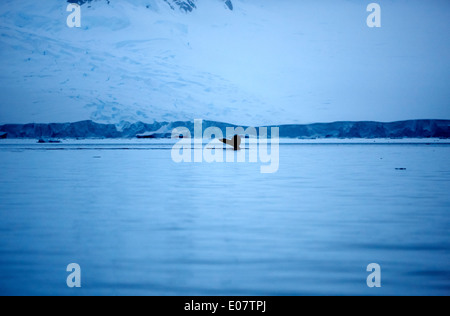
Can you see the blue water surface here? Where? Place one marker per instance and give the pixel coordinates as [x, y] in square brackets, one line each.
[139, 224]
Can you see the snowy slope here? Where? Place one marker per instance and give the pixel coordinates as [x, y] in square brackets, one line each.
[263, 62]
[131, 60]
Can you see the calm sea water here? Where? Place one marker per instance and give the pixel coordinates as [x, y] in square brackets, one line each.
[139, 224]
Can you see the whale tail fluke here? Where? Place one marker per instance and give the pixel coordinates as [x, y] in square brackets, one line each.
[235, 142]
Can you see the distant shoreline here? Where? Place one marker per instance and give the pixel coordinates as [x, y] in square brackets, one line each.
[411, 129]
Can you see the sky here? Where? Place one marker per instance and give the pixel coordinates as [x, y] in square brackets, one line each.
[266, 62]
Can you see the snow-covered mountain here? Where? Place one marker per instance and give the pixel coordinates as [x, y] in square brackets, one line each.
[132, 60]
[190, 5]
[250, 62]
[184, 5]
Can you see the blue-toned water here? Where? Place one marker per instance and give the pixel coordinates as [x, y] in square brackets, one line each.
[138, 223]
